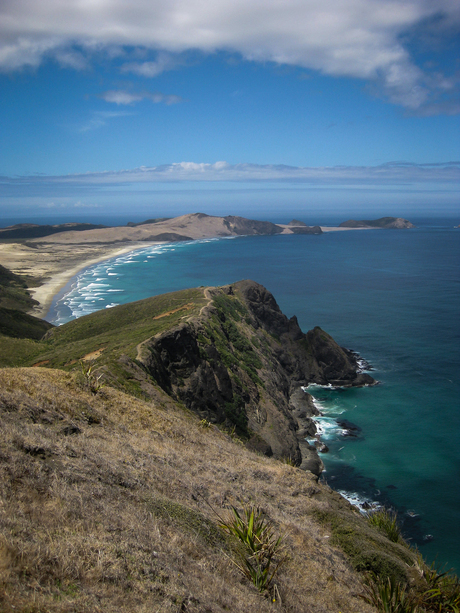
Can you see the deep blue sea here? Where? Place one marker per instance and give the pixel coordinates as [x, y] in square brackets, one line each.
[391, 295]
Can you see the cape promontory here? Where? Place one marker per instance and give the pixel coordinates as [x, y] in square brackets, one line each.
[227, 353]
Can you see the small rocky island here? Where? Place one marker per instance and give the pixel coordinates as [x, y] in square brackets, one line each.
[387, 223]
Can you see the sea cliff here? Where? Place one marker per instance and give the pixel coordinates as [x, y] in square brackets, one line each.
[243, 362]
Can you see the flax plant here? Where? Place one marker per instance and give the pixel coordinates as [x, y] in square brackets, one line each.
[259, 550]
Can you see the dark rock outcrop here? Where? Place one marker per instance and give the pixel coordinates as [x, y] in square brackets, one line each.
[242, 362]
[242, 226]
[296, 222]
[306, 230]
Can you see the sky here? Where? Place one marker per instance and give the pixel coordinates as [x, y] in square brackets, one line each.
[151, 108]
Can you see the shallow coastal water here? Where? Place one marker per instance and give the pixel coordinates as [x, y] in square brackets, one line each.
[393, 296]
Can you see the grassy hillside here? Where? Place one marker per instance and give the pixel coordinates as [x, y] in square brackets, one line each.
[122, 328]
[113, 504]
[13, 291]
[107, 505]
[111, 332]
[15, 323]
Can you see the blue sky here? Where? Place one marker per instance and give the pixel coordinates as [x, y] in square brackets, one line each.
[152, 108]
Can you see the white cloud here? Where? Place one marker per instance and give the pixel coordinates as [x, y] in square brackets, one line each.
[100, 119]
[353, 38]
[122, 97]
[163, 62]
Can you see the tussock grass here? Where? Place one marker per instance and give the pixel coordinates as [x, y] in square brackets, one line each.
[435, 592]
[386, 521]
[105, 507]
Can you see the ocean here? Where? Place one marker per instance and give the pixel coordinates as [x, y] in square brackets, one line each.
[391, 295]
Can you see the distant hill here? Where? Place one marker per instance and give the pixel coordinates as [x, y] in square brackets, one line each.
[296, 222]
[13, 291]
[383, 222]
[28, 230]
[16, 324]
[132, 224]
[186, 227]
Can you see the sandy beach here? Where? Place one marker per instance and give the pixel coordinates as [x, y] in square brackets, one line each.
[55, 265]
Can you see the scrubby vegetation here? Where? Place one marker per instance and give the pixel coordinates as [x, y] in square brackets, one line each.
[434, 592]
[368, 549]
[386, 521]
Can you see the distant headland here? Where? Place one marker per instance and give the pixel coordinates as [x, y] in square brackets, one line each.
[50, 255]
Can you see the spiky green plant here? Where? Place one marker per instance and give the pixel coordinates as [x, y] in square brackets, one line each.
[259, 550]
[442, 590]
[389, 596]
[437, 593]
[288, 460]
[93, 381]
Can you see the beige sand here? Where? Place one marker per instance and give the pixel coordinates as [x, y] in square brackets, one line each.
[56, 264]
[339, 229]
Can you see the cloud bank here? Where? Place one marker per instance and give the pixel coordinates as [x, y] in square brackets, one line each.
[386, 174]
[365, 39]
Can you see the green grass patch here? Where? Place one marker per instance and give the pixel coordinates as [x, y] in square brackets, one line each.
[386, 522]
[118, 331]
[230, 306]
[368, 549]
[188, 520]
[19, 351]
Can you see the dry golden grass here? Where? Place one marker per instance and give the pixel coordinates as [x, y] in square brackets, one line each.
[107, 506]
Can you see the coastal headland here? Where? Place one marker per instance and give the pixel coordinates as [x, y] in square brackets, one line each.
[129, 435]
[50, 258]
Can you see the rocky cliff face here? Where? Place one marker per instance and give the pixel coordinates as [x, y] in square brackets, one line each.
[242, 362]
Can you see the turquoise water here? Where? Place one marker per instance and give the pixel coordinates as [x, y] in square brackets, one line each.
[393, 296]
